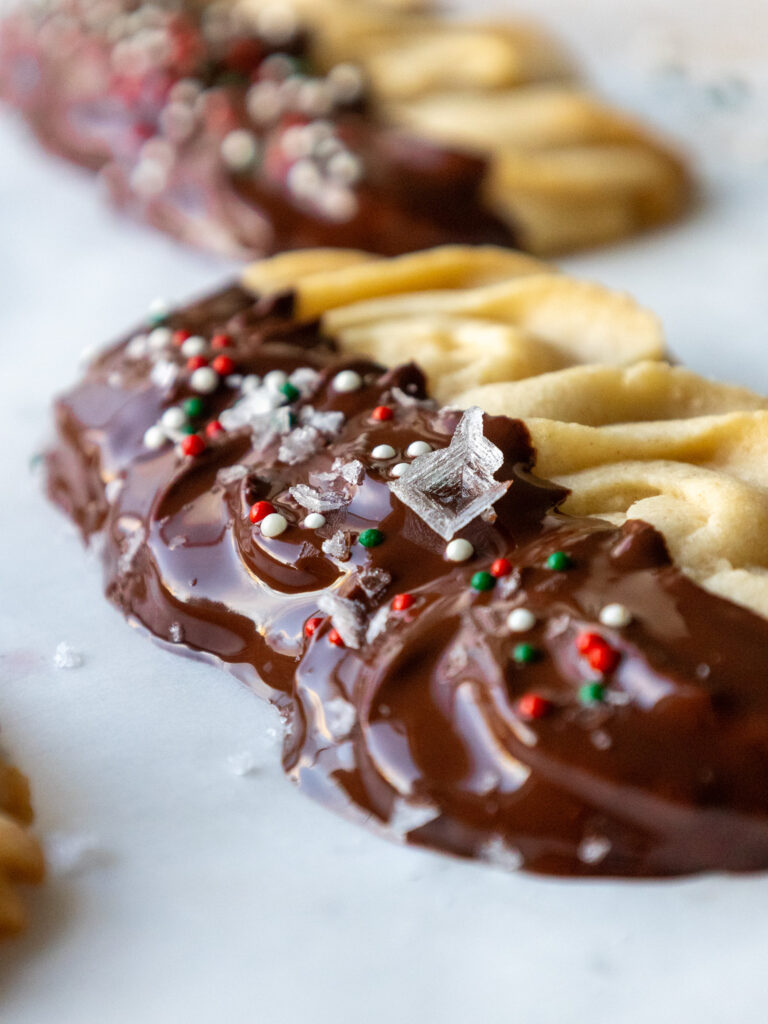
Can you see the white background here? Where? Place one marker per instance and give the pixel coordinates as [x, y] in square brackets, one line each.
[212, 898]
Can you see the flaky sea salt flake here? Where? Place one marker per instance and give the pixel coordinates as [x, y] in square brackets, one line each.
[347, 617]
[450, 487]
[337, 546]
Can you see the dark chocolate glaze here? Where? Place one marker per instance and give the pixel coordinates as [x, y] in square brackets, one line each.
[153, 116]
[419, 722]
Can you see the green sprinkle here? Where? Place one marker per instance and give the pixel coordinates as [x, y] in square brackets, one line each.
[591, 693]
[188, 429]
[371, 538]
[559, 561]
[524, 654]
[483, 581]
[193, 407]
[290, 391]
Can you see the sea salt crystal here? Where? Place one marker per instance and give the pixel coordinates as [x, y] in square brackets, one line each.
[594, 849]
[347, 616]
[337, 546]
[299, 445]
[407, 815]
[317, 501]
[243, 763]
[176, 632]
[69, 854]
[130, 549]
[450, 487]
[66, 656]
[373, 581]
[352, 472]
[231, 474]
[306, 380]
[328, 423]
[499, 853]
[377, 624]
[340, 717]
[164, 373]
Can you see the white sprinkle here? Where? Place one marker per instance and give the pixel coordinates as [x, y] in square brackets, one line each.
[173, 418]
[347, 82]
[159, 338]
[154, 438]
[459, 550]
[345, 167]
[158, 309]
[304, 179]
[205, 380]
[244, 763]
[276, 23]
[250, 383]
[65, 656]
[314, 521]
[347, 380]
[136, 347]
[383, 451]
[296, 142]
[148, 178]
[520, 620]
[274, 380]
[164, 373]
[594, 849]
[418, 448]
[194, 346]
[264, 102]
[239, 149]
[615, 615]
[273, 525]
[337, 202]
[399, 469]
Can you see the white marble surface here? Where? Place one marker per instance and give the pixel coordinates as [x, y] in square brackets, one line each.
[208, 897]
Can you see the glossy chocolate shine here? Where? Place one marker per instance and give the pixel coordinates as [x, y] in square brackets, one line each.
[421, 721]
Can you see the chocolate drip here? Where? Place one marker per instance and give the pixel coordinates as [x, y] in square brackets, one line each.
[572, 748]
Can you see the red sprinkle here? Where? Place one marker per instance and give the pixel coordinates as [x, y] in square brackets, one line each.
[533, 706]
[312, 625]
[192, 444]
[401, 602]
[334, 637]
[223, 365]
[598, 652]
[501, 567]
[179, 337]
[221, 341]
[213, 429]
[260, 510]
[382, 413]
[196, 362]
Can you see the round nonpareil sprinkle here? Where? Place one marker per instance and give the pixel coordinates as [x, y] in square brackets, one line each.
[273, 525]
[371, 538]
[221, 341]
[533, 706]
[312, 625]
[193, 445]
[399, 469]
[159, 338]
[615, 616]
[173, 418]
[500, 568]
[193, 407]
[525, 654]
[383, 451]
[418, 448]
[382, 413]
[193, 346]
[559, 561]
[459, 550]
[482, 581]
[334, 637]
[521, 620]
[401, 602]
[314, 521]
[223, 365]
[591, 693]
[154, 438]
[213, 429]
[347, 380]
[274, 380]
[260, 511]
[205, 380]
[196, 362]
[290, 391]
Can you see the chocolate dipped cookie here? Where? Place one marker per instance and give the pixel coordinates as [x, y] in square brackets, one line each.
[255, 127]
[522, 621]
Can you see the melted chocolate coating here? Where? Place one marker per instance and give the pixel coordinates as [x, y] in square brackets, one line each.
[418, 722]
[156, 123]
